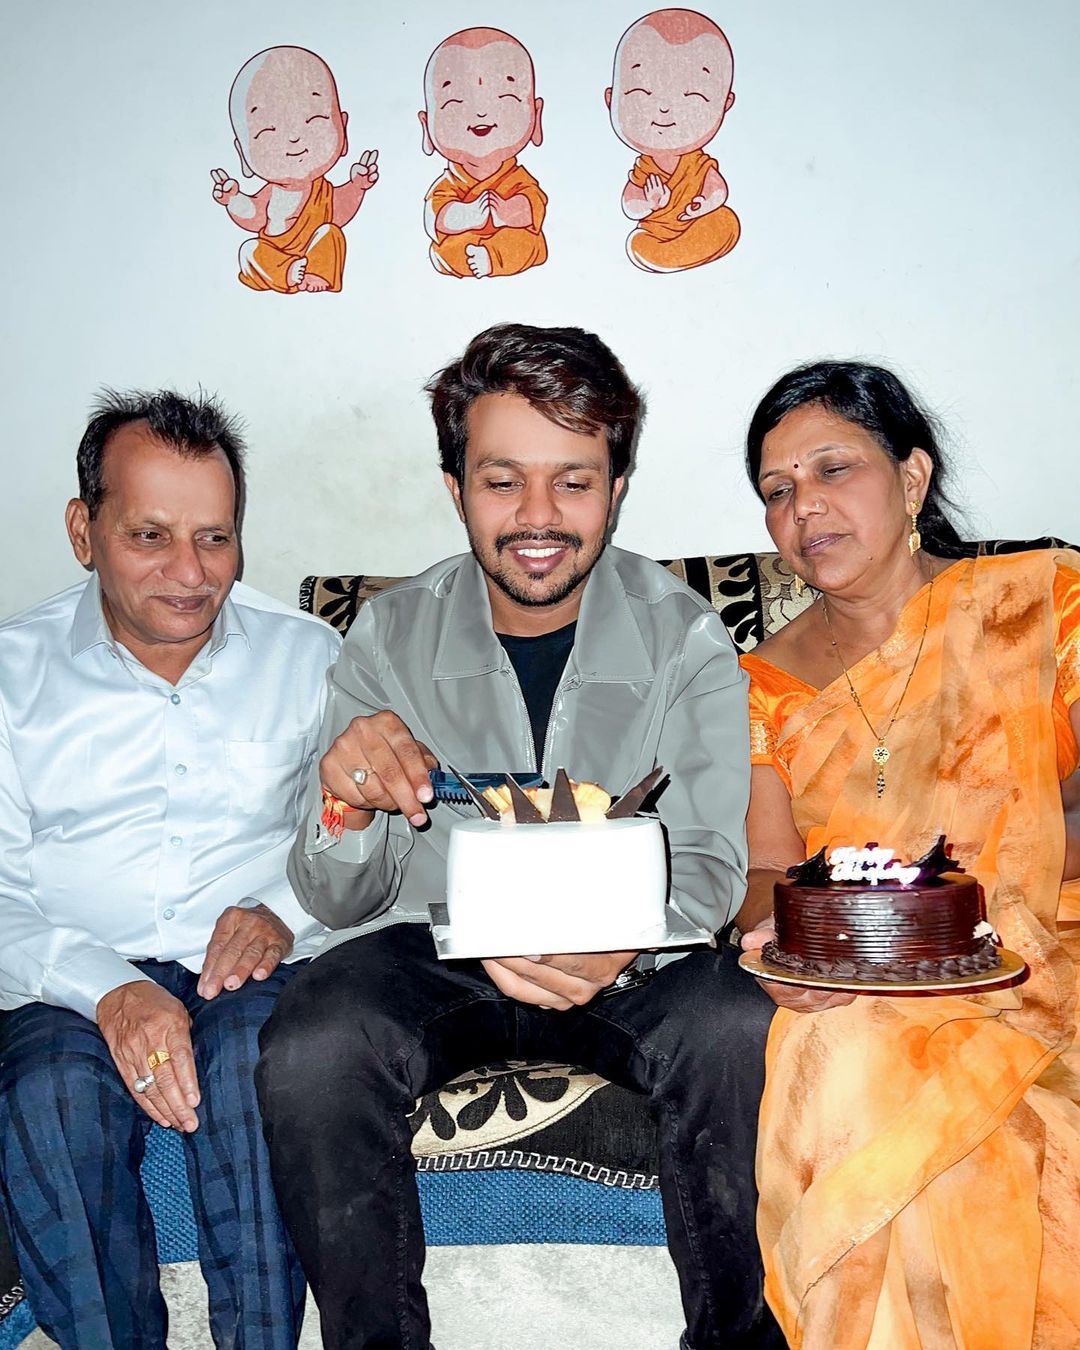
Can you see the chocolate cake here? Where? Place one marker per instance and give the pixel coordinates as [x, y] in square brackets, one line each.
[863, 916]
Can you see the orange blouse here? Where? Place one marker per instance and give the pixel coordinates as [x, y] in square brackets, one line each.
[775, 694]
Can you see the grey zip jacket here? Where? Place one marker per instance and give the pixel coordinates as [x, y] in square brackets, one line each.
[653, 678]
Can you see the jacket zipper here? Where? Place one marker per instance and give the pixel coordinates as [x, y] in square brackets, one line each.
[556, 707]
[508, 671]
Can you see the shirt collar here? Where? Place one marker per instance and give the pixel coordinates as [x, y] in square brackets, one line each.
[607, 645]
[89, 629]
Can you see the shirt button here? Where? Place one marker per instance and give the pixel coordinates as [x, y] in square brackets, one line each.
[168, 913]
[176, 840]
[181, 769]
[174, 698]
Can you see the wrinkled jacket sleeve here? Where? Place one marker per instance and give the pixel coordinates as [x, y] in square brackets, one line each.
[352, 880]
[705, 748]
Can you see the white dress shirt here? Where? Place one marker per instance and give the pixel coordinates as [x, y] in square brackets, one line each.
[133, 812]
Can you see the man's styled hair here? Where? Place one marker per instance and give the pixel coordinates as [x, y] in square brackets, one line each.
[192, 427]
[568, 375]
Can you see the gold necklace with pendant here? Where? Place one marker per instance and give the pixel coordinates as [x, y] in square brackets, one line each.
[880, 752]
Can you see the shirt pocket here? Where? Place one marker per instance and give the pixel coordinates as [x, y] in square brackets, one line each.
[266, 778]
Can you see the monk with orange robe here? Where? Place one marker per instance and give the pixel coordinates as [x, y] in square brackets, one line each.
[485, 214]
[670, 93]
[290, 131]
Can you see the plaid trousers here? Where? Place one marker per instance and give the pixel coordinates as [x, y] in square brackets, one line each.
[71, 1142]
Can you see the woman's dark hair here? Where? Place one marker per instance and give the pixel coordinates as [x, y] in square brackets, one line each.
[191, 427]
[567, 374]
[874, 399]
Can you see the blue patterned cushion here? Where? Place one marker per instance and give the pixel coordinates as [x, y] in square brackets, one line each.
[461, 1207]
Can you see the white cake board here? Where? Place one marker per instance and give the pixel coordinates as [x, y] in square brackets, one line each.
[675, 931]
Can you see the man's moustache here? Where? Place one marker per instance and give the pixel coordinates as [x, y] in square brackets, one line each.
[505, 541]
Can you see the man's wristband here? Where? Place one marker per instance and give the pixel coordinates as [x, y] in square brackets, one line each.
[338, 816]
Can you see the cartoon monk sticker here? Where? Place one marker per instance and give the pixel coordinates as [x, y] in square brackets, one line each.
[670, 92]
[485, 214]
[290, 131]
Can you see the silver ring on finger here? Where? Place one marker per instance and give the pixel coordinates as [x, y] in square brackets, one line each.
[141, 1084]
[360, 776]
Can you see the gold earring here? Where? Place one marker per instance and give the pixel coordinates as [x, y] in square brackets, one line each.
[914, 541]
[800, 585]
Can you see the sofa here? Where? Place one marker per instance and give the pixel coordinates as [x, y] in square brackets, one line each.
[508, 1153]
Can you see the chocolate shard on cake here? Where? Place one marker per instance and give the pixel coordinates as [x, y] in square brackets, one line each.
[524, 811]
[563, 806]
[813, 872]
[630, 803]
[936, 862]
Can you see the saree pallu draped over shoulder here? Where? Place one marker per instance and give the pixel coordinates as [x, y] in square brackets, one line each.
[919, 1158]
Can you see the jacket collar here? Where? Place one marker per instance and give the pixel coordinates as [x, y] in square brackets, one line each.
[608, 646]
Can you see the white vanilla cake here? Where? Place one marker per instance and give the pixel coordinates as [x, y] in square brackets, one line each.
[568, 886]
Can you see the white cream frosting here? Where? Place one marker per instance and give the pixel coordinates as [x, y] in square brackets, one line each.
[533, 890]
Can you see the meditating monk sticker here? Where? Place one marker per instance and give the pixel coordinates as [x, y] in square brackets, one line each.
[670, 92]
[290, 131]
[485, 214]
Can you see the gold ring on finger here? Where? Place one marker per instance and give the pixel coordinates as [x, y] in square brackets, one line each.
[156, 1058]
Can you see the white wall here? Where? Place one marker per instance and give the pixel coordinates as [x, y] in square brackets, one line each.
[906, 176]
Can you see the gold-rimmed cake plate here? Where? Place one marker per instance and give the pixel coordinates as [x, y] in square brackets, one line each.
[1013, 970]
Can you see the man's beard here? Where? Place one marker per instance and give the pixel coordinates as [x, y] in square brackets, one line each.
[519, 591]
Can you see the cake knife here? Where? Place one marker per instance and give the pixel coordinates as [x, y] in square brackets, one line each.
[471, 793]
[450, 786]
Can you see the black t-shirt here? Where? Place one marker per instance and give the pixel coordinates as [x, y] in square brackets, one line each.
[539, 663]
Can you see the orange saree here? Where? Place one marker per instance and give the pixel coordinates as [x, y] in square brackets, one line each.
[919, 1158]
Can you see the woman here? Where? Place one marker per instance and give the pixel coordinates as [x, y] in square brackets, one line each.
[919, 1158]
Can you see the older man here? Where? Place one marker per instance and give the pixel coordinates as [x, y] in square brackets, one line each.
[157, 722]
[541, 647]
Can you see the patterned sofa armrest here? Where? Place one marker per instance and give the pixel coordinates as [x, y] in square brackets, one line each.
[337, 599]
[754, 593]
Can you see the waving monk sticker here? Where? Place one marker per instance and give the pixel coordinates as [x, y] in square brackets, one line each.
[485, 214]
[670, 91]
[290, 131]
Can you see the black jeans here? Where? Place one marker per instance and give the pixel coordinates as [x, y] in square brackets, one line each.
[379, 1021]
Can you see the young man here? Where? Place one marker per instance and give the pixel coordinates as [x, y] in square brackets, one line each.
[156, 722]
[539, 648]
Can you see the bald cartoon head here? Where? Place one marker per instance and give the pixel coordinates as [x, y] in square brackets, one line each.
[286, 118]
[671, 86]
[480, 99]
